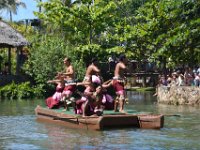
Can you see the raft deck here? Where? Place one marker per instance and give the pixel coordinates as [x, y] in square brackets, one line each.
[109, 119]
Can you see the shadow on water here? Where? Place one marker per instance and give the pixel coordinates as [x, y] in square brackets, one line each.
[20, 130]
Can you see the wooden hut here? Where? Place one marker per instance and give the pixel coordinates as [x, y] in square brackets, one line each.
[11, 39]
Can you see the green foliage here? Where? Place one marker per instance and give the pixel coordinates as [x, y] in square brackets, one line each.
[157, 30]
[46, 59]
[19, 91]
[83, 24]
[167, 29]
[4, 59]
[26, 30]
[86, 52]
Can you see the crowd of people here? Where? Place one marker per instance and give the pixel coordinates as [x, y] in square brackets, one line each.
[186, 77]
[95, 98]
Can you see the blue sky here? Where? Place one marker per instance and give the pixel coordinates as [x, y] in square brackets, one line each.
[23, 13]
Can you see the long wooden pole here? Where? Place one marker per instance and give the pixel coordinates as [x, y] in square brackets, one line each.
[9, 60]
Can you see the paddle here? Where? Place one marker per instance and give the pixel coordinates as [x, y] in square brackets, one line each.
[75, 117]
[167, 115]
[172, 115]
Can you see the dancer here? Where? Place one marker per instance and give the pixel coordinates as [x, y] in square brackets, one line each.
[118, 83]
[69, 86]
[92, 69]
[54, 101]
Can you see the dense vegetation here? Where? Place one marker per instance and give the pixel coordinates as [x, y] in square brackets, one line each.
[162, 31]
[19, 91]
[159, 30]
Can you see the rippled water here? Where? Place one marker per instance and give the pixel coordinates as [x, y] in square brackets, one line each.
[19, 129]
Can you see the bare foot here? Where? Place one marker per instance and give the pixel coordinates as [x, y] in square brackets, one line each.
[126, 101]
[155, 94]
[122, 111]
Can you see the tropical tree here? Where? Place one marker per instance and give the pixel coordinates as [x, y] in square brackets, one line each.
[46, 59]
[81, 23]
[3, 4]
[167, 31]
[93, 27]
[11, 6]
[117, 39]
[158, 30]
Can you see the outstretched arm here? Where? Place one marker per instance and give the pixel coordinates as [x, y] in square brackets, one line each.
[78, 83]
[54, 81]
[107, 84]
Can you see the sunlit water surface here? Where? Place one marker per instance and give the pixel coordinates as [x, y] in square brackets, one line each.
[19, 129]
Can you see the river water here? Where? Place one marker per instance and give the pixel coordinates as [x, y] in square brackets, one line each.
[19, 129]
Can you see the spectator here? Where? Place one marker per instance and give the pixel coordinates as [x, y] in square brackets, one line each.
[163, 80]
[196, 79]
[198, 70]
[180, 80]
[189, 76]
[174, 79]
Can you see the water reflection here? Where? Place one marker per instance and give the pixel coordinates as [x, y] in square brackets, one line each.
[65, 138]
[141, 97]
[20, 130]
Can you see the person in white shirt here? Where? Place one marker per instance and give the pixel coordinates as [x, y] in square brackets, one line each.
[197, 79]
[180, 80]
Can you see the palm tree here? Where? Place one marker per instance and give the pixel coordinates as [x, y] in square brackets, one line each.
[3, 4]
[14, 7]
[40, 9]
[11, 6]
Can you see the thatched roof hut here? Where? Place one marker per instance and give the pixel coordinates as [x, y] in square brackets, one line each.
[9, 37]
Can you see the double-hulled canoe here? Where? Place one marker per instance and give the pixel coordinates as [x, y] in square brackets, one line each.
[107, 120]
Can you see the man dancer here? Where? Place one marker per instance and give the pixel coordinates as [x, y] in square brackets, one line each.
[119, 81]
[92, 69]
[70, 87]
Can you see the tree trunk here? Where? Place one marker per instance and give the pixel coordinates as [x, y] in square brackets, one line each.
[40, 9]
[10, 16]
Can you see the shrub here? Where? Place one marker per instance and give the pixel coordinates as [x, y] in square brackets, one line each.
[46, 59]
[19, 91]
